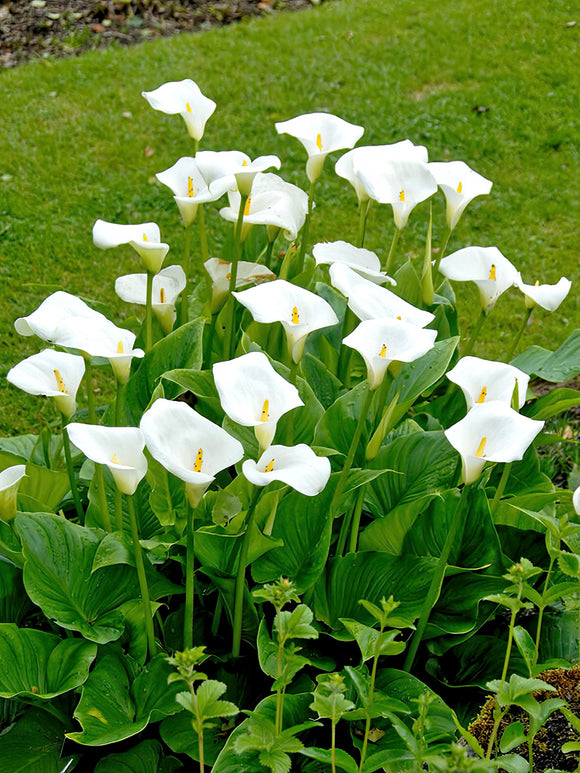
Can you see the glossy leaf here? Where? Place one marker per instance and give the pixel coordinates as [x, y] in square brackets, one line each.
[143, 758]
[558, 366]
[34, 743]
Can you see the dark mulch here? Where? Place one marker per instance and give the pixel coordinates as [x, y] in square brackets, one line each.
[31, 29]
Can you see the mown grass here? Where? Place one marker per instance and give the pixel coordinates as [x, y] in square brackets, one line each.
[75, 136]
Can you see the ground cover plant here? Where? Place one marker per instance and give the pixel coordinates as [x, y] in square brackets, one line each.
[306, 500]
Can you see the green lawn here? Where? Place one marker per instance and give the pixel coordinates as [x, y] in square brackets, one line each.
[74, 135]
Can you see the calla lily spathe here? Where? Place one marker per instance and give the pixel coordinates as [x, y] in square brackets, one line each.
[52, 374]
[364, 262]
[382, 341]
[549, 297]
[297, 466]
[486, 380]
[145, 238]
[369, 301]
[491, 432]
[403, 184]
[9, 481]
[375, 155]
[102, 339]
[274, 203]
[190, 187]
[576, 501]
[220, 271]
[254, 395]
[232, 169]
[486, 267]
[188, 445]
[183, 97]
[167, 285]
[120, 448]
[460, 184]
[320, 134]
[51, 312]
[299, 311]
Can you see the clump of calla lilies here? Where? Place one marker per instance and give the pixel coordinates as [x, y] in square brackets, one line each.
[277, 379]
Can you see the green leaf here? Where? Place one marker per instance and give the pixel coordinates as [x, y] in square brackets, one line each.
[34, 743]
[143, 758]
[44, 487]
[35, 663]
[561, 365]
[324, 383]
[569, 563]
[168, 500]
[201, 384]
[370, 640]
[13, 600]
[513, 763]
[526, 647]
[371, 576]
[291, 662]
[338, 424]
[408, 284]
[512, 736]
[115, 706]
[178, 733]
[553, 404]
[343, 760]
[299, 424]
[209, 704]
[59, 577]
[295, 624]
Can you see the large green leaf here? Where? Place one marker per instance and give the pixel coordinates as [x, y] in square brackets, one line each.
[337, 426]
[143, 758]
[13, 599]
[553, 404]
[178, 733]
[35, 663]
[201, 384]
[304, 525]
[324, 383]
[44, 487]
[58, 577]
[558, 366]
[370, 575]
[32, 745]
[116, 704]
[167, 499]
[180, 349]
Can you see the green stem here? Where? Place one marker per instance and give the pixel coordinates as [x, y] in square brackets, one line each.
[184, 300]
[501, 486]
[363, 753]
[493, 736]
[442, 250]
[209, 347]
[508, 650]
[241, 577]
[279, 693]
[120, 404]
[149, 312]
[189, 580]
[438, 576]
[305, 231]
[333, 746]
[138, 551]
[268, 254]
[118, 510]
[356, 520]
[392, 250]
[345, 355]
[203, 246]
[71, 473]
[90, 394]
[229, 339]
[364, 208]
[474, 333]
[99, 478]
[519, 334]
[541, 612]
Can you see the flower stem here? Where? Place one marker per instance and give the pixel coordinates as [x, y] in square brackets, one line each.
[364, 208]
[305, 231]
[363, 753]
[508, 650]
[229, 340]
[189, 579]
[203, 246]
[99, 478]
[474, 333]
[443, 249]
[268, 254]
[149, 312]
[71, 473]
[333, 745]
[356, 520]
[501, 486]
[241, 577]
[519, 334]
[209, 346]
[118, 510]
[439, 574]
[541, 612]
[345, 355]
[392, 250]
[120, 404]
[90, 394]
[138, 551]
[184, 300]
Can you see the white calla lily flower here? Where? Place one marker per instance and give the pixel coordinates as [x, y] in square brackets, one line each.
[183, 97]
[300, 311]
[297, 466]
[274, 203]
[254, 395]
[51, 312]
[232, 169]
[460, 184]
[220, 271]
[145, 238]
[190, 187]
[576, 501]
[369, 301]
[320, 134]
[486, 380]
[382, 341]
[403, 184]
[188, 445]
[491, 432]
[167, 285]
[364, 262]
[547, 296]
[486, 267]
[100, 339]
[9, 481]
[375, 155]
[52, 374]
[120, 448]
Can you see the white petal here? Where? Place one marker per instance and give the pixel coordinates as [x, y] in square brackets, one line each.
[183, 97]
[53, 310]
[549, 297]
[576, 500]
[479, 265]
[9, 481]
[298, 466]
[460, 184]
[49, 373]
[498, 380]
[360, 260]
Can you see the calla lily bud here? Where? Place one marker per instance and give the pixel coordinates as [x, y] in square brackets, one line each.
[52, 374]
[549, 297]
[183, 97]
[485, 380]
[9, 482]
[491, 432]
[297, 466]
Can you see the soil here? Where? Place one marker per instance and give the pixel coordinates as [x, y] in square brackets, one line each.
[32, 29]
